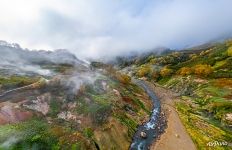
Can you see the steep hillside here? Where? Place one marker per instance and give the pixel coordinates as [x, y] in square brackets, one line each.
[202, 77]
[52, 100]
[75, 106]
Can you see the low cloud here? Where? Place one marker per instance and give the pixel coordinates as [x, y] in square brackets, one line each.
[102, 28]
[79, 79]
[15, 60]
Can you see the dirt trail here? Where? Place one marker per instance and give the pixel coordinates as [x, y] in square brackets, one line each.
[175, 136]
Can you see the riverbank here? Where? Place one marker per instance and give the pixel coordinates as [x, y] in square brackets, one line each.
[175, 136]
[150, 131]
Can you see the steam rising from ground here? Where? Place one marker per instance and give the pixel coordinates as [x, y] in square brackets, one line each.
[10, 141]
[78, 79]
[22, 68]
[16, 60]
[103, 28]
[34, 68]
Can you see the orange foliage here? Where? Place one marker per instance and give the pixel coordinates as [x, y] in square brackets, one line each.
[202, 70]
[223, 82]
[185, 71]
[165, 72]
[123, 78]
[144, 70]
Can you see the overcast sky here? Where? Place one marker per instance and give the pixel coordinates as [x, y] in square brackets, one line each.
[103, 28]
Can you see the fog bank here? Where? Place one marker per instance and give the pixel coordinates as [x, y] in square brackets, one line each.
[102, 28]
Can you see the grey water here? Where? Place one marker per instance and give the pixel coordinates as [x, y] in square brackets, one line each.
[150, 127]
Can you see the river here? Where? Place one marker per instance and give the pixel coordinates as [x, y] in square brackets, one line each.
[151, 128]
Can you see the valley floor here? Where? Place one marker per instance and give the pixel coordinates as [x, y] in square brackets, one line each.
[175, 136]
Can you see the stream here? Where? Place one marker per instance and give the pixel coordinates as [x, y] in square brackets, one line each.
[150, 128]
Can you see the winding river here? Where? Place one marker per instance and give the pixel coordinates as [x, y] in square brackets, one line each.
[149, 128]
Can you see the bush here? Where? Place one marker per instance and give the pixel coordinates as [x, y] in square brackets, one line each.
[229, 51]
[185, 71]
[202, 70]
[155, 75]
[165, 72]
[144, 71]
[123, 78]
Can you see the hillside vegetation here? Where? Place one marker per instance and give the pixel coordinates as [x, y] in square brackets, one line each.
[100, 115]
[72, 106]
[203, 78]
